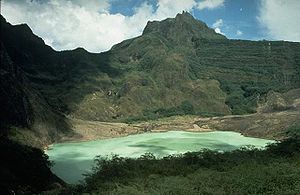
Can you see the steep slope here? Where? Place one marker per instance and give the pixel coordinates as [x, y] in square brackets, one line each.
[23, 106]
[30, 75]
[183, 29]
[156, 77]
[248, 69]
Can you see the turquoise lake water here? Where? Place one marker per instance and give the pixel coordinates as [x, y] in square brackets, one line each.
[74, 159]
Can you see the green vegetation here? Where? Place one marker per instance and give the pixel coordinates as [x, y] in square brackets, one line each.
[293, 130]
[275, 170]
[185, 108]
[161, 69]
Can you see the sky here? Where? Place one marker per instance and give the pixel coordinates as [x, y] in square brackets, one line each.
[97, 25]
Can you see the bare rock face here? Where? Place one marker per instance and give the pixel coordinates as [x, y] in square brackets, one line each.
[274, 102]
[182, 29]
[22, 104]
[15, 108]
[279, 112]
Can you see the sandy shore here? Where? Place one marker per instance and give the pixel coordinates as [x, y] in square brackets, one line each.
[93, 130]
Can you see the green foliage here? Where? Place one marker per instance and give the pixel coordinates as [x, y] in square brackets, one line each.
[275, 170]
[248, 69]
[293, 130]
[185, 108]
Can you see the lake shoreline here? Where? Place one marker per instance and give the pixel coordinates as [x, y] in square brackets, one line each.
[83, 135]
[84, 130]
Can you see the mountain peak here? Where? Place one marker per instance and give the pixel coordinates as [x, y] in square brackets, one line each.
[188, 18]
[184, 26]
[184, 14]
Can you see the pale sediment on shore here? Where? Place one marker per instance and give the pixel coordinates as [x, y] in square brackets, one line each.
[94, 130]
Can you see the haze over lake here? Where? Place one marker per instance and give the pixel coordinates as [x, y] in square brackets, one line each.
[74, 159]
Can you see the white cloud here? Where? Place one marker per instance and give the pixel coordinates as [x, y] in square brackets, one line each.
[65, 24]
[95, 5]
[239, 33]
[281, 19]
[218, 30]
[169, 8]
[217, 26]
[210, 4]
[218, 23]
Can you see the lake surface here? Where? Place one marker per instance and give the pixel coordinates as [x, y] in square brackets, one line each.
[74, 159]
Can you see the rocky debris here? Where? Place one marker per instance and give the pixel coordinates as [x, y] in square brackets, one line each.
[273, 118]
[274, 102]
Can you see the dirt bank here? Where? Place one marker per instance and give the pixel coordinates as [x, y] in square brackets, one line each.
[91, 130]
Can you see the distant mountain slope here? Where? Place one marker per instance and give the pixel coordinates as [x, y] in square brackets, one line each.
[177, 66]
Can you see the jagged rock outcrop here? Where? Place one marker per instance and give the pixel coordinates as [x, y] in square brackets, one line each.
[183, 29]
